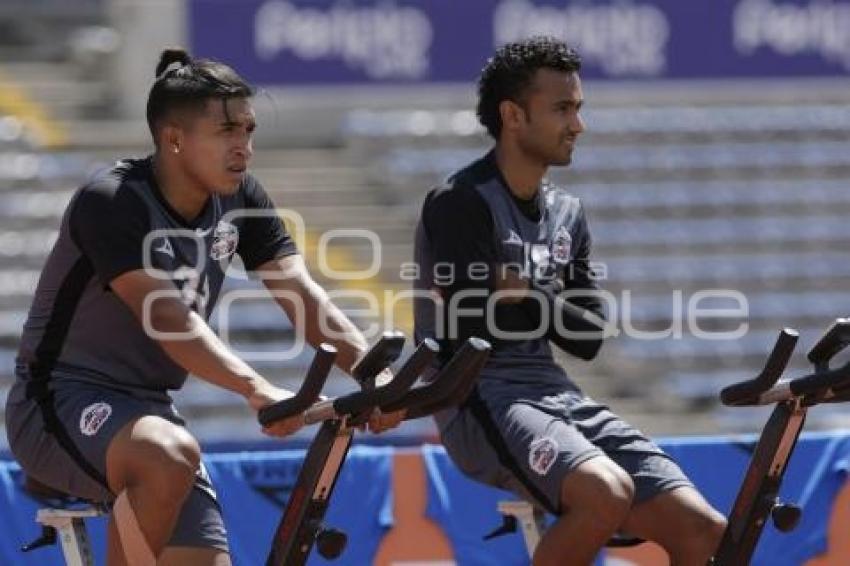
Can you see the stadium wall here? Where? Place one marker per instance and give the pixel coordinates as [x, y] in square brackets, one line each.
[413, 506]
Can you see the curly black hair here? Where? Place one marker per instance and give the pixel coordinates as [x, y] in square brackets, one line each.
[508, 74]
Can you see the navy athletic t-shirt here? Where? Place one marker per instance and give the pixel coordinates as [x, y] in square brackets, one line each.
[473, 225]
[119, 221]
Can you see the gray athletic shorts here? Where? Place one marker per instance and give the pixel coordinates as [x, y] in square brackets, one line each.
[91, 416]
[526, 438]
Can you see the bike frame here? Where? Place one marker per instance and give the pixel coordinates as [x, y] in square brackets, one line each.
[301, 523]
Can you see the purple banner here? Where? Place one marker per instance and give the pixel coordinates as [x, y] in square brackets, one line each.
[302, 42]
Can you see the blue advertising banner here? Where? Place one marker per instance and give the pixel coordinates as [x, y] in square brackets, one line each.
[303, 42]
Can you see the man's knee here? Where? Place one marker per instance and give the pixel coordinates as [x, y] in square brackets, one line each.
[600, 488]
[706, 530]
[154, 451]
[699, 535]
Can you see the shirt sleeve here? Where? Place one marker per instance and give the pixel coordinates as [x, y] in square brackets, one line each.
[262, 238]
[109, 228]
[459, 227]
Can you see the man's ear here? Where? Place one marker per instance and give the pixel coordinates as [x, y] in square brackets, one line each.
[512, 114]
[171, 137]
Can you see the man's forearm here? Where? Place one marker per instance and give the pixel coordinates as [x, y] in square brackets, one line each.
[202, 353]
[325, 322]
[576, 330]
[310, 309]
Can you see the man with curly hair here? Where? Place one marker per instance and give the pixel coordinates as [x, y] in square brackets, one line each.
[519, 251]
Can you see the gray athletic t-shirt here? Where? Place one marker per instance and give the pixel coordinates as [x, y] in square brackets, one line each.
[119, 221]
[472, 225]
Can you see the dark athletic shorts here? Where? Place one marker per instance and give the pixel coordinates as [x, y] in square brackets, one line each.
[525, 438]
[90, 416]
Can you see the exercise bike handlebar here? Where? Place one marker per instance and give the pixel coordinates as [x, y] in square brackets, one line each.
[383, 353]
[309, 391]
[748, 392]
[822, 385]
[823, 382]
[377, 358]
[361, 401]
[833, 341]
[450, 386]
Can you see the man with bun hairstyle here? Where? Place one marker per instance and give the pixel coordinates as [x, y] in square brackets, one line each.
[519, 251]
[120, 318]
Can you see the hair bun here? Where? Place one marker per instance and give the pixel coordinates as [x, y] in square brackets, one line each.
[170, 56]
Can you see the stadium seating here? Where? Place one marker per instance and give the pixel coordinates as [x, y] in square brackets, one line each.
[741, 196]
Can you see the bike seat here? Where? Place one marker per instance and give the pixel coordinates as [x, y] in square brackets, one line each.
[44, 492]
[62, 520]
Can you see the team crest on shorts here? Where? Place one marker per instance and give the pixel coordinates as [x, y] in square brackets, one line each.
[542, 454]
[93, 418]
[225, 239]
[561, 246]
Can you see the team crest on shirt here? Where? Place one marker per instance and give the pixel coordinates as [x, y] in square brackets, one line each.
[561, 246]
[225, 239]
[542, 454]
[93, 417]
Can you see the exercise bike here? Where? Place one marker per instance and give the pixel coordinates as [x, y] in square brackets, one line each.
[301, 525]
[758, 497]
[63, 517]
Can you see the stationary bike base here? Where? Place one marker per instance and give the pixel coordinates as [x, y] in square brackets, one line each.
[68, 526]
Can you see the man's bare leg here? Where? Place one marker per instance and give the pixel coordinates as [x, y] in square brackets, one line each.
[153, 462]
[171, 555]
[682, 522]
[595, 499]
[114, 551]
